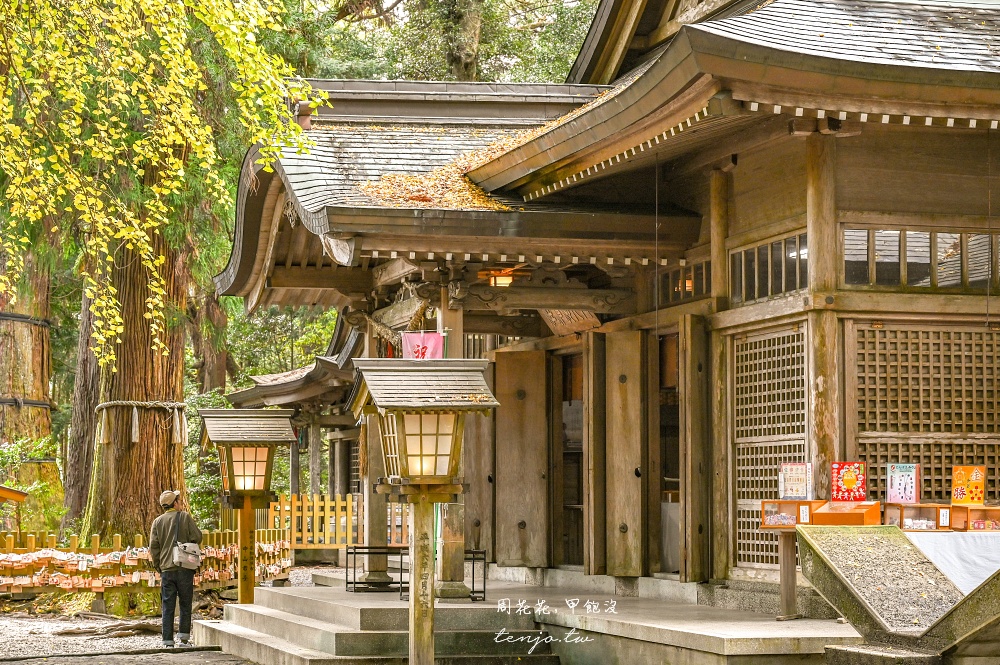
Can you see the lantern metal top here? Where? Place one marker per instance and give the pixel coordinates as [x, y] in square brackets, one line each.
[451, 384]
[263, 426]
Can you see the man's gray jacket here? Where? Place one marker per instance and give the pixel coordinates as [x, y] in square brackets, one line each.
[161, 537]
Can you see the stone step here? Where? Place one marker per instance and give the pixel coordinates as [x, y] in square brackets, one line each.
[878, 654]
[263, 648]
[344, 641]
[260, 647]
[312, 604]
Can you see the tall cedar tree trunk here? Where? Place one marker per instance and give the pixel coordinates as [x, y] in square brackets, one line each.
[465, 22]
[25, 357]
[129, 477]
[208, 334]
[83, 425]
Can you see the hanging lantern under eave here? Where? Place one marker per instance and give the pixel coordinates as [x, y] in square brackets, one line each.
[246, 440]
[421, 407]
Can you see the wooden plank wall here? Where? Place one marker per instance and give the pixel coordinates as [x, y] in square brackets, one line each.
[899, 169]
[522, 460]
[768, 189]
[626, 453]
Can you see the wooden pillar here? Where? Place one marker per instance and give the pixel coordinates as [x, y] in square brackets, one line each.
[786, 575]
[340, 452]
[696, 453]
[824, 429]
[717, 438]
[422, 582]
[245, 540]
[315, 456]
[331, 468]
[294, 468]
[627, 506]
[594, 416]
[719, 223]
[376, 510]
[451, 546]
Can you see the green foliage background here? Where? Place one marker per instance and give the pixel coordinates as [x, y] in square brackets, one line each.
[520, 41]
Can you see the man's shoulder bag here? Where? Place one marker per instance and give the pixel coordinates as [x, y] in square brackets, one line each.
[185, 555]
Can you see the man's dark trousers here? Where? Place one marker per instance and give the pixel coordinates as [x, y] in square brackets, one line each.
[177, 583]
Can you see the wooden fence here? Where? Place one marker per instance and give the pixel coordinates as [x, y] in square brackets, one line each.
[317, 521]
[320, 522]
[33, 563]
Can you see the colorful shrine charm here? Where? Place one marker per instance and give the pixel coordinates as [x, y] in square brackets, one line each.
[968, 485]
[795, 481]
[902, 483]
[849, 482]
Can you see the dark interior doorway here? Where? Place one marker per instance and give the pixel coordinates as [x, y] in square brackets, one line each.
[567, 459]
[670, 455]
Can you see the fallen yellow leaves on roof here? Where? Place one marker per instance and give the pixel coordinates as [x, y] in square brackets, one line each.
[449, 187]
[444, 187]
[487, 154]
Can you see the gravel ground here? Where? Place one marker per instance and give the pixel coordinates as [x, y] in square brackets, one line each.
[897, 581]
[23, 636]
[27, 637]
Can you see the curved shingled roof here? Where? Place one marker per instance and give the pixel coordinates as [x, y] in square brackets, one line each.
[866, 56]
[947, 35]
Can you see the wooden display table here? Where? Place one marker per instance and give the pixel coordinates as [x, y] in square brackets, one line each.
[861, 513]
[781, 516]
[919, 516]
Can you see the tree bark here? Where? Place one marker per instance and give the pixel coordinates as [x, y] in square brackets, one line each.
[208, 342]
[465, 22]
[129, 476]
[25, 357]
[83, 425]
[216, 354]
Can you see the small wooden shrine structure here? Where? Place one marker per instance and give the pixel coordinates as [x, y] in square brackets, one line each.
[317, 394]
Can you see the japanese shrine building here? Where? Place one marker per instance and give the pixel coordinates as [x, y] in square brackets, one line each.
[737, 236]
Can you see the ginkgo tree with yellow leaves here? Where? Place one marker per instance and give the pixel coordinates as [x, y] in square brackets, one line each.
[101, 135]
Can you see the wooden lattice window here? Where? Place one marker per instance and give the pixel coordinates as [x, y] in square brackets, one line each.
[927, 395]
[927, 380]
[770, 388]
[935, 455]
[769, 404]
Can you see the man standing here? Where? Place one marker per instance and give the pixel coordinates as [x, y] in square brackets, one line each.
[172, 527]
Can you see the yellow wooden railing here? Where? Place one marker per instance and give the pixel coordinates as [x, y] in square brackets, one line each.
[318, 521]
[33, 562]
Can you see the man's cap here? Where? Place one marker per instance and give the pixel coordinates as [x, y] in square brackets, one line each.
[167, 498]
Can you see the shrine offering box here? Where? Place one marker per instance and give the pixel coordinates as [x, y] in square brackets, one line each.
[783, 514]
[860, 513]
[919, 516]
[976, 518]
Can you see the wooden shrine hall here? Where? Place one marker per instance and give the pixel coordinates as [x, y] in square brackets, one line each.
[317, 392]
[742, 234]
